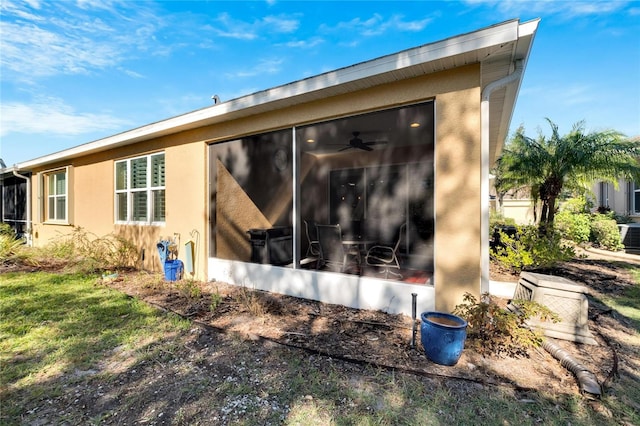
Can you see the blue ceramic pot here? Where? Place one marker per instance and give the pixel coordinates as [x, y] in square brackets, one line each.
[442, 337]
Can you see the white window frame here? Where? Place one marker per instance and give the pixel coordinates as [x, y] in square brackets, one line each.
[51, 174]
[635, 189]
[129, 191]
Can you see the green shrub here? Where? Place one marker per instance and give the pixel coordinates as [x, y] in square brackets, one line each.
[576, 205]
[6, 229]
[529, 249]
[605, 233]
[619, 218]
[493, 330]
[574, 226]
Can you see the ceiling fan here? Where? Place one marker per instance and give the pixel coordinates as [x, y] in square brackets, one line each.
[358, 143]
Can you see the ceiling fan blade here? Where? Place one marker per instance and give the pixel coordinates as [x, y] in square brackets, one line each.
[375, 143]
[365, 147]
[345, 148]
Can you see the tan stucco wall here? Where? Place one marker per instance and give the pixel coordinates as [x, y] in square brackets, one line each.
[92, 196]
[520, 210]
[457, 201]
[457, 159]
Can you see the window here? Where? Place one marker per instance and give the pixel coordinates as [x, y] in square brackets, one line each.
[56, 203]
[140, 192]
[603, 199]
[635, 210]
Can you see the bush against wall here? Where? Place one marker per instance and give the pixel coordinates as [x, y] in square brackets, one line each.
[495, 331]
[605, 233]
[574, 226]
[576, 223]
[530, 249]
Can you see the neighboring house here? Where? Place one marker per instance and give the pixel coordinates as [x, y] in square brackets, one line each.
[515, 204]
[405, 138]
[624, 201]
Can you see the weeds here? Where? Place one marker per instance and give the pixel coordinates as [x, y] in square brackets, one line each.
[250, 300]
[85, 252]
[216, 299]
[10, 248]
[493, 330]
[189, 289]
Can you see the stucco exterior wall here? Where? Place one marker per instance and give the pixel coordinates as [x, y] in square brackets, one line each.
[457, 201]
[457, 164]
[520, 210]
[606, 195]
[91, 197]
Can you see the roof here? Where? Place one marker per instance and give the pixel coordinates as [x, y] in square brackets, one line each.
[496, 48]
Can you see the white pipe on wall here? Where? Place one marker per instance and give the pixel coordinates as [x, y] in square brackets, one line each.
[484, 171]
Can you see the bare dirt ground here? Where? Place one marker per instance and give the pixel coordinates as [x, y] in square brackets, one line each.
[385, 340]
[238, 334]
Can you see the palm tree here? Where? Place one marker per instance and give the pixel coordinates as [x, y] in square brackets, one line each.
[547, 166]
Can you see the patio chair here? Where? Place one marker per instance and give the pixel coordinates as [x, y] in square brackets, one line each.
[313, 248]
[332, 252]
[386, 257]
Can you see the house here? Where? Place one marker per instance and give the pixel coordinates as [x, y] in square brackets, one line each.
[624, 201]
[406, 138]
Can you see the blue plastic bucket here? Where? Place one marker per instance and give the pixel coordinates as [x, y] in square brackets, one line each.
[442, 337]
[173, 270]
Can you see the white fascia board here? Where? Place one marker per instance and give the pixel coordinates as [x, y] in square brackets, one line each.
[528, 28]
[458, 45]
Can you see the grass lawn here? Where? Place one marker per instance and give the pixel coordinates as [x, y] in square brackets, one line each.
[75, 352]
[53, 328]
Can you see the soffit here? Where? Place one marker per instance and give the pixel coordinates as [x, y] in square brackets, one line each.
[494, 47]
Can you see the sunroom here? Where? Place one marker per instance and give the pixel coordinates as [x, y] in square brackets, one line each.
[371, 175]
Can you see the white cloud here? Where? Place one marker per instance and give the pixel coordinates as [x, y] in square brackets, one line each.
[577, 95]
[227, 26]
[265, 66]
[30, 51]
[131, 73]
[51, 116]
[565, 9]
[42, 40]
[378, 25]
[281, 24]
[305, 44]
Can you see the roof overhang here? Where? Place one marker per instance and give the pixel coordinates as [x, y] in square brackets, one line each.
[495, 48]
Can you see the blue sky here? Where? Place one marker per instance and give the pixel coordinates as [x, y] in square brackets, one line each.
[77, 71]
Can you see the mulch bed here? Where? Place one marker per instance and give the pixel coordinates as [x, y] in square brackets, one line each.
[378, 338]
